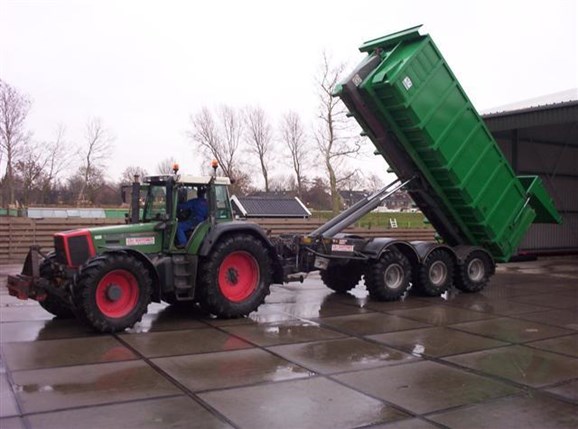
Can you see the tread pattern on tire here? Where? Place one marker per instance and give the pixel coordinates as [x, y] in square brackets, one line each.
[374, 276]
[421, 276]
[209, 293]
[85, 291]
[341, 278]
[54, 304]
[462, 280]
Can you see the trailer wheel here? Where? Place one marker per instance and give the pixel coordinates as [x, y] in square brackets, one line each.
[474, 273]
[112, 292]
[435, 275]
[235, 278]
[341, 277]
[387, 279]
[53, 303]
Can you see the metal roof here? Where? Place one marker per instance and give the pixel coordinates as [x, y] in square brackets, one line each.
[270, 207]
[551, 109]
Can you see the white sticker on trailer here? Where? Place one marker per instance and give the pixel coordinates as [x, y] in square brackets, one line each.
[407, 83]
[140, 241]
[342, 247]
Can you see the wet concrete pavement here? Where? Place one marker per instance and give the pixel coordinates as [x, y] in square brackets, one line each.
[309, 358]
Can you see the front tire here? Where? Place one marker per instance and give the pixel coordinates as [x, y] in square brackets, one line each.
[341, 277]
[235, 278]
[435, 275]
[54, 304]
[473, 275]
[387, 279]
[112, 292]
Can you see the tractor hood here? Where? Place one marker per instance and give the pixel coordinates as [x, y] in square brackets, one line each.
[74, 247]
[142, 237]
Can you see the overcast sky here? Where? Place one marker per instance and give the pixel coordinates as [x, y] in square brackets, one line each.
[144, 67]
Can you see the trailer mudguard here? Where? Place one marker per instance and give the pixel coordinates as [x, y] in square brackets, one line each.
[424, 248]
[462, 252]
[377, 246]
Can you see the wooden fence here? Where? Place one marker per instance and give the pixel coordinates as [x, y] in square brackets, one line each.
[18, 234]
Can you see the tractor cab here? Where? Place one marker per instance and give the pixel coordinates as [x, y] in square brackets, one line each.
[159, 200]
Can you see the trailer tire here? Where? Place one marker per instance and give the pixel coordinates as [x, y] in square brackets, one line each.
[112, 292]
[54, 304]
[435, 275]
[473, 275]
[235, 278]
[388, 278]
[341, 278]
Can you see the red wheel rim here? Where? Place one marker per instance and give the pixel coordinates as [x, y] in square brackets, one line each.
[117, 293]
[238, 276]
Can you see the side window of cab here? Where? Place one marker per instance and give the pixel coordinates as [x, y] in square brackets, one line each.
[222, 203]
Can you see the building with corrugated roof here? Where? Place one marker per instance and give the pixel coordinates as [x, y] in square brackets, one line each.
[540, 137]
[269, 206]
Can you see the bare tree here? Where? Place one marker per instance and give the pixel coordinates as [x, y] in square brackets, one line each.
[260, 139]
[293, 136]
[97, 147]
[86, 185]
[14, 108]
[30, 169]
[221, 139]
[283, 183]
[57, 159]
[333, 134]
[127, 176]
[373, 182]
[166, 166]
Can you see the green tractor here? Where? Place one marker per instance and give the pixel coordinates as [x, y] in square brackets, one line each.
[107, 276]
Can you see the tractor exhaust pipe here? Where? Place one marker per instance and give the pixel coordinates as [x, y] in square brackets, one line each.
[135, 200]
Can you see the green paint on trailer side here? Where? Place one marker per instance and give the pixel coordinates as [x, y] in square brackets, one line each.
[416, 94]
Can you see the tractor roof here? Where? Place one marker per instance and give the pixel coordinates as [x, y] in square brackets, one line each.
[188, 179]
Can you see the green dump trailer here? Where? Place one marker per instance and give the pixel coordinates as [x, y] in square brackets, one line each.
[412, 107]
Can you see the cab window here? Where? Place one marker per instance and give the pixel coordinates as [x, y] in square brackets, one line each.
[155, 207]
[222, 203]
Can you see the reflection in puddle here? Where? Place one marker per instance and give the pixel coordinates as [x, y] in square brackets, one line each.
[418, 350]
[288, 371]
[33, 388]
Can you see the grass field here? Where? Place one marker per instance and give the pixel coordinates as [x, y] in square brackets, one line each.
[382, 220]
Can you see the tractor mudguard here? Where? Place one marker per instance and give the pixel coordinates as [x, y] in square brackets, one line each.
[220, 229]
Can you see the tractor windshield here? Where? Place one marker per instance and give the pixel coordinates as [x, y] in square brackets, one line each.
[155, 205]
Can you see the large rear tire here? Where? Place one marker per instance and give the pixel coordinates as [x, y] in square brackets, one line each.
[388, 278]
[112, 292]
[235, 278]
[54, 304]
[435, 275]
[341, 277]
[473, 275]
